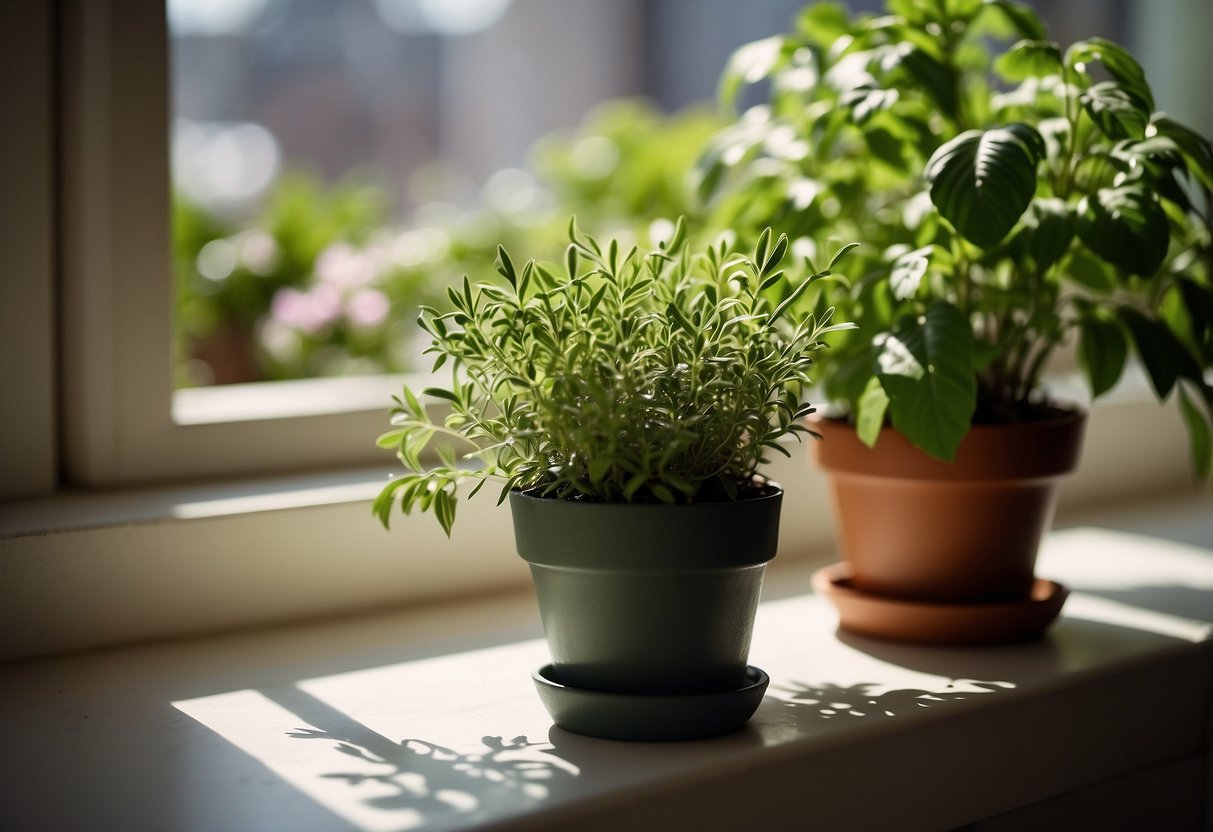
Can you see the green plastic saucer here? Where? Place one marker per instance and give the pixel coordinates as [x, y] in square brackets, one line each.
[623, 716]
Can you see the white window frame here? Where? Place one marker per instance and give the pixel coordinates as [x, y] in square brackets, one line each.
[117, 290]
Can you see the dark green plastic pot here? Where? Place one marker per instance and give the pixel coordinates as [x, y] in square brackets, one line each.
[648, 599]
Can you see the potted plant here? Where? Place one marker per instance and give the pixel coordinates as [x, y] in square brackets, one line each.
[625, 402]
[1013, 207]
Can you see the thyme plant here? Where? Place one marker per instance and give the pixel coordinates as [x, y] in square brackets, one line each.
[621, 376]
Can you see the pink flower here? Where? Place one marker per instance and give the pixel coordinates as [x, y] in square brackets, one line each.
[308, 312]
[367, 308]
[345, 267]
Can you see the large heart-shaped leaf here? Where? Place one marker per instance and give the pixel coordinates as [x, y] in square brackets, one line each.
[1116, 60]
[1126, 227]
[1196, 149]
[1049, 226]
[1119, 113]
[1029, 59]
[1021, 17]
[908, 271]
[926, 366]
[982, 181]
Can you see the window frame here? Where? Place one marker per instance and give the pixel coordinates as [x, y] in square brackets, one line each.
[28, 458]
[125, 426]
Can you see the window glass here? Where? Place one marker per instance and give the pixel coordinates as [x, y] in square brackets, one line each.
[337, 162]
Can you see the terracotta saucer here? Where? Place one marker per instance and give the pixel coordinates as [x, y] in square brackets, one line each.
[924, 622]
[619, 716]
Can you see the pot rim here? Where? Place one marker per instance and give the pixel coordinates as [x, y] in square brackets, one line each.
[1029, 450]
[650, 537]
[772, 491]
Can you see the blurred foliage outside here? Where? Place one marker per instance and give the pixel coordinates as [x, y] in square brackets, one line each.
[322, 281]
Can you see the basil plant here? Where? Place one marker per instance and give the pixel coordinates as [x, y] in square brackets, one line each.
[1014, 197]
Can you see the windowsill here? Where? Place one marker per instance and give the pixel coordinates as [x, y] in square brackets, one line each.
[409, 720]
[286, 399]
[90, 569]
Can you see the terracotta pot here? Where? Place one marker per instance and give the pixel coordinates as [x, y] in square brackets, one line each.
[917, 528]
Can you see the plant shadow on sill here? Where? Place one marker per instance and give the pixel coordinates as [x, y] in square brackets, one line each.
[867, 700]
[434, 781]
[413, 782]
[960, 671]
[417, 782]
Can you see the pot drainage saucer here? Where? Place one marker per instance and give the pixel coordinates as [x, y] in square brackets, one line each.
[624, 716]
[930, 622]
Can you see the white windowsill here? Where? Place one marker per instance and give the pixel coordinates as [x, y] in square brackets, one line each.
[402, 721]
[88, 569]
[287, 399]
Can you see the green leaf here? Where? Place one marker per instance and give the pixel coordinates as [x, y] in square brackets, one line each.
[788, 301]
[1091, 272]
[444, 509]
[1199, 434]
[1125, 226]
[570, 262]
[1160, 351]
[870, 412]
[760, 250]
[596, 299]
[913, 11]
[939, 80]
[963, 9]
[1029, 59]
[908, 271]
[749, 65]
[840, 254]
[926, 367]
[598, 469]
[1198, 299]
[381, 507]
[1197, 149]
[391, 440]
[414, 406]
[633, 484]
[505, 267]
[1103, 350]
[1049, 226]
[823, 23]
[982, 181]
[776, 257]
[1116, 60]
[1118, 112]
[663, 493]
[1022, 17]
[476, 489]
[439, 393]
